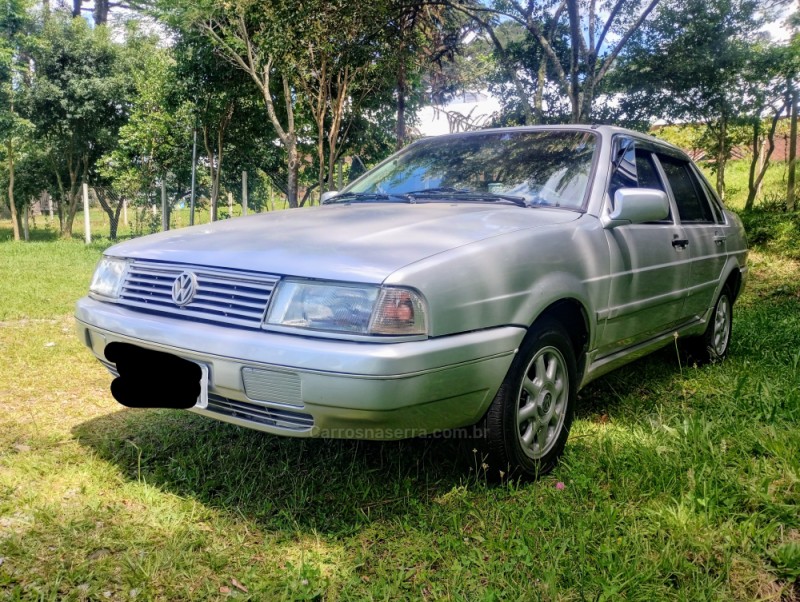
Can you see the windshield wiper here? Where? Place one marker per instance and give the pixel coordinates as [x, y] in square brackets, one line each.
[439, 190]
[367, 197]
[460, 195]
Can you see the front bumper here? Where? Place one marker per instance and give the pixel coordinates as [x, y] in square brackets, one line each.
[305, 386]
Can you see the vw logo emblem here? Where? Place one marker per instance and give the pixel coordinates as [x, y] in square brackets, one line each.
[184, 289]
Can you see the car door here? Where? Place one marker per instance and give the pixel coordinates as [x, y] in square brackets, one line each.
[703, 229]
[650, 263]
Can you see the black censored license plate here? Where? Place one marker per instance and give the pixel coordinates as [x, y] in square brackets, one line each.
[154, 379]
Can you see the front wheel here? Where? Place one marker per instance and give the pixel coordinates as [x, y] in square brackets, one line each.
[527, 425]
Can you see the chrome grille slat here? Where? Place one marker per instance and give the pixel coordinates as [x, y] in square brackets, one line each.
[147, 289]
[240, 291]
[232, 300]
[147, 279]
[285, 419]
[227, 297]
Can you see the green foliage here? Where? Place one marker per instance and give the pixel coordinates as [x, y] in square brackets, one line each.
[688, 62]
[154, 138]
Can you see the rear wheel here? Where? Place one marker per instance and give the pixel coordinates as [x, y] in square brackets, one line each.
[528, 423]
[713, 344]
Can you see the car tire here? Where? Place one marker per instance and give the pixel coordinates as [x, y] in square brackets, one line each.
[528, 422]
[713, 344]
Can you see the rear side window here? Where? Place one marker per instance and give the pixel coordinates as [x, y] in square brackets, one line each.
[693, 206]
[713, 199]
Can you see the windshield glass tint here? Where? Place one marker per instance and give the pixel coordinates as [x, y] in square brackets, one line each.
[544, 167]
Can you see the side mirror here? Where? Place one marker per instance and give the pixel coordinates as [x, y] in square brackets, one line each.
[637, 206]
[328, 195]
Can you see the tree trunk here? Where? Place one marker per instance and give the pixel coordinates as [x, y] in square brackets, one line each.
[761, 155]
[214, 173]
[756, 148]
[100, 12]
[11, 201]
[722, 156]
[321, 157]
[762, 163]
[72, 210]
[291, 175]
[790, 185]
[575, 38]
[113, 213]
[60, 202]
[401, 105]
[76, 8]
[73, 195]
[538, 99]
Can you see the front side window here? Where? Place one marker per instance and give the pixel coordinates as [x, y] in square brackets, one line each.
[691, 201]
[636, 168]
[544, 168]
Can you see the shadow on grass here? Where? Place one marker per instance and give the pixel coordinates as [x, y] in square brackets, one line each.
[331, 486]
[335, 486]
[328, 485]
[645, 379]
[34, 235]
[52, 234]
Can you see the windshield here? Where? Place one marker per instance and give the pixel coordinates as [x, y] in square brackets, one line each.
[550, 168]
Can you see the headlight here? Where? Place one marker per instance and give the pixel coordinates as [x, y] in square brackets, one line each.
[108, 277]
[356, 309]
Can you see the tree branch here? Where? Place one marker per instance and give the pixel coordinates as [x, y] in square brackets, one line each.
[624, 40]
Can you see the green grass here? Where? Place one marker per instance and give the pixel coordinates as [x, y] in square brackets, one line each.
[681, 482]
[737, 174]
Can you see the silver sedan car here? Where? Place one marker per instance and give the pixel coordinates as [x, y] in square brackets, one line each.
[473, 281]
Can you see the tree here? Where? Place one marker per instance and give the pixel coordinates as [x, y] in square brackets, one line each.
[691, 64]
[252, 38]
[77, 101]
[15, 29]
[218, 97]
[154, 140]
[768, 96]
[322, 67]
[793, 52]
[591, 55]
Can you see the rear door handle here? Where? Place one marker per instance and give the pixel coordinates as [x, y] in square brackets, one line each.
[719, 239]
[680, 243]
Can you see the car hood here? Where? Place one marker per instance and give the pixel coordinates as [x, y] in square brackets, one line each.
[356, 242]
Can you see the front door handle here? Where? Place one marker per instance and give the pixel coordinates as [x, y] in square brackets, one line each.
[681, 243]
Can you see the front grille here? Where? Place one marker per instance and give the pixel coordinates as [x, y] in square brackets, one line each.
[252, 412]
[223, 296]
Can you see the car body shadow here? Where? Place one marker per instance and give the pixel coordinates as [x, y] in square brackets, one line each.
[326, 485]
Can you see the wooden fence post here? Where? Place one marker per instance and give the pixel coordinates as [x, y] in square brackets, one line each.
[244, 193]
[87, 224]
[164, 212]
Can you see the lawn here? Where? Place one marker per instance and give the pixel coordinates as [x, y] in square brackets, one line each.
[679, 482]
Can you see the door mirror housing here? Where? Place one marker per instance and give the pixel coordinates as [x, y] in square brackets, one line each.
[637, 206]
[328, 195]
